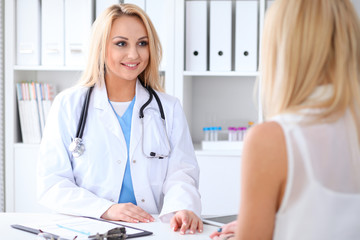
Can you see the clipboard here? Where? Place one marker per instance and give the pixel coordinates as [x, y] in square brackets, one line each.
[79, 227]
[219, 221]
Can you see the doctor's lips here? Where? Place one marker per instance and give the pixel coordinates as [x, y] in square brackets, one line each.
[130, 65]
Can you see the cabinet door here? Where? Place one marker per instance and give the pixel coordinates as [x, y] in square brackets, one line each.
[219, 184]
[25, 158]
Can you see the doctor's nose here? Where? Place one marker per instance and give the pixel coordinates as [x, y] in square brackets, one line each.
[133, 53]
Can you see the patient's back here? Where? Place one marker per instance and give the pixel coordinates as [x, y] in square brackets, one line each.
[322, 194]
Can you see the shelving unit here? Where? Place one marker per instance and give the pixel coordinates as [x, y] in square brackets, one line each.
[207, 97]
[215, 98]
[222, 74]
[220, 99]
[46, 68]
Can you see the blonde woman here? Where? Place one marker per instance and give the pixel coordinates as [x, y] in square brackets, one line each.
[301, 168]
[115, 146]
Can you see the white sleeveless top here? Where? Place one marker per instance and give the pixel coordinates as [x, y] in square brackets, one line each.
[322, 193]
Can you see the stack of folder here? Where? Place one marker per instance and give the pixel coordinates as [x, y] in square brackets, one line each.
[221, 36]
[34, 101]
[52, 32]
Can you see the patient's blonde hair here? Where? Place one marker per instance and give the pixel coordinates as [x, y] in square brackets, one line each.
[307, 43]
[95, 68]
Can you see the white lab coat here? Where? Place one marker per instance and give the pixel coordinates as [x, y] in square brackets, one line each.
[90, 184]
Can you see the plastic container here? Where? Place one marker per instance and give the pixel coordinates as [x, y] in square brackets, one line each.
[232, 132]
[241, 133]
[216, 133]
[206, 131]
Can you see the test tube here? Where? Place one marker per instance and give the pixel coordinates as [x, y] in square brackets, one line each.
[231, 134]
[244, 130]
[216, 133]
[206, 134]
[240, 133]
[211, 132]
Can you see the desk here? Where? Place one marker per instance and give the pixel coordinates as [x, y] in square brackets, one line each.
[161, 231]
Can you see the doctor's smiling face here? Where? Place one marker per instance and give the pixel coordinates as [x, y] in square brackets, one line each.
[127, 49]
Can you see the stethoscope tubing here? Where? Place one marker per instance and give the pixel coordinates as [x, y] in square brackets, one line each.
[162, 114]
[84, 112]
[83, 116]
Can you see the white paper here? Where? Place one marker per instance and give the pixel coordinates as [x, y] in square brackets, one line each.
[79, 227]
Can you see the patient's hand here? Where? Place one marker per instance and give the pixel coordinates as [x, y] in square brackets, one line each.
[225, 231]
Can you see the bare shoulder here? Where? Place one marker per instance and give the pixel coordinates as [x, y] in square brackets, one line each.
[266, 130]
[265, 146]
[268, 136]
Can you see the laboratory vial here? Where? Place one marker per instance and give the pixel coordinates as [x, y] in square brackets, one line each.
[232, 132]
[212, 133]
[241, 133]
[244, 132]
[206, 131]
[216, 133]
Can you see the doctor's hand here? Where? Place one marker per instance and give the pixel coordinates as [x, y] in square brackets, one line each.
[225, 232]
[186, 220]
[127, 212]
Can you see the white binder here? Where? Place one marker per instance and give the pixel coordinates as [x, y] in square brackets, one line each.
[196, 36]
[220, 36]
[140, 3]
[103, 4]
[28, 32]
[155, 9]
[53, 41]
[246, 38]
[78, 20]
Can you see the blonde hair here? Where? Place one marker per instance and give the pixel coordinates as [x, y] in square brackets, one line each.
[95, 67]
[308, 43]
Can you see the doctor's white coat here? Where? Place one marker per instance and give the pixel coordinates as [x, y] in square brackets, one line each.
[90, 184]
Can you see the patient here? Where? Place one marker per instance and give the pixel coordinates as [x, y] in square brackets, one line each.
[301, 168]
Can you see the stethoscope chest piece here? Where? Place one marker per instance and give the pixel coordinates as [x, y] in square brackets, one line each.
[76, 147]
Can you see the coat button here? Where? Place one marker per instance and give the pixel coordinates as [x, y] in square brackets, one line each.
[134, 161]
[142, 200]
[119, 161]
[112, 200]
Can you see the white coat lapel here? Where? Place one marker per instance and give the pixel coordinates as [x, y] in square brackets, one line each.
[108, 118]
[136, 128]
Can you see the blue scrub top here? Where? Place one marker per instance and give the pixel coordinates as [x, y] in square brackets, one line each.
[127, 191]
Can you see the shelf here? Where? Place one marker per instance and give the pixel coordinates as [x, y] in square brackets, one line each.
[213, 153]
[231, 74]
[200, 152]
[20, 145]
[48, 68]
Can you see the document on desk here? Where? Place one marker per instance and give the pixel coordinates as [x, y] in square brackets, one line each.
[78, 227]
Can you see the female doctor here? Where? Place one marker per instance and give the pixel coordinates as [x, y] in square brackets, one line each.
[106, 151]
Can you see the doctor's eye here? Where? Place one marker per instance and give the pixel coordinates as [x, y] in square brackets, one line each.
[121, 44]
[143, 43]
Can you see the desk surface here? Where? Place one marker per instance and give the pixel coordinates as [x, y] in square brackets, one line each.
[161, 231]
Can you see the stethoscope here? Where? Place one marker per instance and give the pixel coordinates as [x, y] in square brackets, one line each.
[77, 147]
